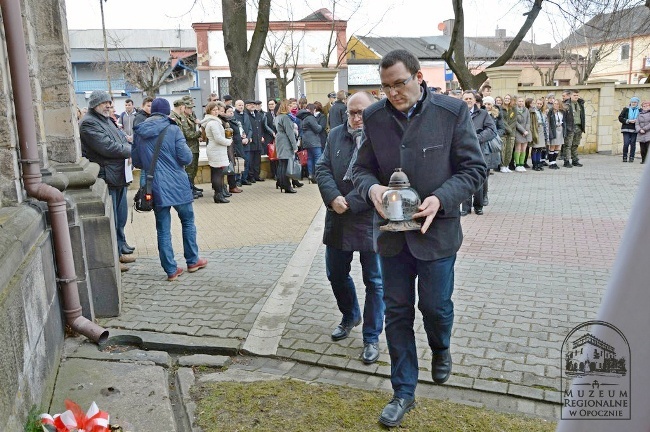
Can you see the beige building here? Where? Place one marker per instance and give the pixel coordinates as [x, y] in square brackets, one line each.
[614, 45]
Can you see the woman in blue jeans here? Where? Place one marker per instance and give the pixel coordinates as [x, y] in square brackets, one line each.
[309, 132]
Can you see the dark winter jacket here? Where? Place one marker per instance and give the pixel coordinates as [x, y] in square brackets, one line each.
[247, 129]
[352, 230]
[483, 124]
[140, 116]
[552, 125]
[309, 129]
[170, 184]
[237, 145]
[337, 114]
[255, 119]
[626, 126]
[103, 143]
[438, 150]
[322, 121]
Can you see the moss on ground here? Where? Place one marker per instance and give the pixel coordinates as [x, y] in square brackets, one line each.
[292, 406]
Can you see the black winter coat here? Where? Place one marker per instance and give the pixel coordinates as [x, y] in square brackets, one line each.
[337, 114]
[625, 126]
[438, 150]
[322, 121]
[237, 145]
[103, 143]
[309, 129]
[352, 230]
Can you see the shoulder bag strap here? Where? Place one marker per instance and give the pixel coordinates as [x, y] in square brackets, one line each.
[154, 160]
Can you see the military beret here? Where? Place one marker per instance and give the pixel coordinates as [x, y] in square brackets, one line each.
[179, 102]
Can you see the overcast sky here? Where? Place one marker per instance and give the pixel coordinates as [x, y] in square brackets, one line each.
[400, 17]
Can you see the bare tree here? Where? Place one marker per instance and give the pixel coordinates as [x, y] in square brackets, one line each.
[148, 76]
[455, 54]
[334, 43]
[242, 59]
[600, 31]
[281, 55]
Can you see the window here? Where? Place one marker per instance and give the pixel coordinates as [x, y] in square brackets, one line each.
[224, 87]
[625, 52]
[272, 91]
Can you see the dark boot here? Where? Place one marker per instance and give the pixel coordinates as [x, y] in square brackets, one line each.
[220, 199]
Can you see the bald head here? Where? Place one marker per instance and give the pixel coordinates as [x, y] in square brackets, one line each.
[356, 104]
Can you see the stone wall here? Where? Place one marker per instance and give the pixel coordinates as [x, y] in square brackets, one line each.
[603, 103]
[31, 331]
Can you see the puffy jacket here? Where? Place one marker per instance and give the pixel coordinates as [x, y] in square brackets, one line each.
[170, 183]
[309, 129]
[626, 126]
[217, 148]
[103, 143]
[643, 124]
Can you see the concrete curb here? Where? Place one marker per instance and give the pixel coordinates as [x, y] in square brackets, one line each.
[266, 333]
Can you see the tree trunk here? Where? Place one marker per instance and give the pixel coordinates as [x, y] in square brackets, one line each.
[455, 54]
[243, 61]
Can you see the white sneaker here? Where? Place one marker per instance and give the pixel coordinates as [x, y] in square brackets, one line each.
[504, 169]
[508, 170]
[520, 169]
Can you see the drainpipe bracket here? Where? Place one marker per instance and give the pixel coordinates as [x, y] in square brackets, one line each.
[29, 161]
[66, 280]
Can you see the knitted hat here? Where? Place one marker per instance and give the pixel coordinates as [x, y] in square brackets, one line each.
[161, 106]
[488, 99]
[634, 99]
[98, 97]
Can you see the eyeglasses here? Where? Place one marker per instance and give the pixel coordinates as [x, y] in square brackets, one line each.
[398, 85]
[353, 114]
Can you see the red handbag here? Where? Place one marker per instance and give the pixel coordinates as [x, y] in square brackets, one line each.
[270, 151]
[302, 157]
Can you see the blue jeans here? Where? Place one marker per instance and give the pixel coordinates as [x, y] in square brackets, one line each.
[247, 166]
[338, 266]
[435, 287]
[120, 214]
[629, 141]
[314, 154]
[163, 229]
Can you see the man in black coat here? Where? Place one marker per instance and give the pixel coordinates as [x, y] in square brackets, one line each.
[255, 144]
[336, 115]
[247, 131]
[103, 143]
[431, 137]
[348, 228]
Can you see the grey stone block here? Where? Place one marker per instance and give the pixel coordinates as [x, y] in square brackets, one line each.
[205, 360]
[100, 247]
[105, 292]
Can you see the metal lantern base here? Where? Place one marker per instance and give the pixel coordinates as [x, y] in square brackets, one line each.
[397, 226]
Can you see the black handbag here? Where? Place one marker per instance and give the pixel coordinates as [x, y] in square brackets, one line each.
[143, 199]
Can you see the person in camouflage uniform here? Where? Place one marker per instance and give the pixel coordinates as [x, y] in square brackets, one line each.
[192, 135]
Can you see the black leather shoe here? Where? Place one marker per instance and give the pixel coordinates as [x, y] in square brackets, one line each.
[126, 251]
[197, 195]
[463, 213]
[393, 413]
[259, 179]
[127, 246]
[370, 352]
[567, 164]
[441, 367]
[343, 330]
[196, 189]
[478, 211]
[246, 183]
[578, 164]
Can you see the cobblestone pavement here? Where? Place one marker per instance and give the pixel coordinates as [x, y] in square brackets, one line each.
[532, 267]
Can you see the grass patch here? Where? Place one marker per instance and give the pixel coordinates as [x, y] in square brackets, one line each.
[291, 405]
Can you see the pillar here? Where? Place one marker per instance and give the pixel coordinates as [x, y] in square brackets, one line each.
[318, 83]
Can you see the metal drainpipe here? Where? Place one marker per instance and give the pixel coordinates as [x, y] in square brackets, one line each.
[31, 173]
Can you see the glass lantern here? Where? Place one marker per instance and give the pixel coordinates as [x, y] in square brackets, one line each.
[400, 202]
